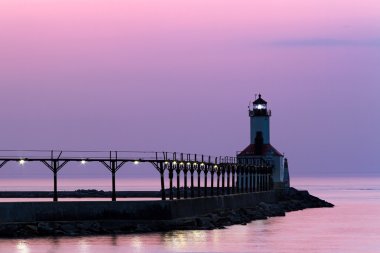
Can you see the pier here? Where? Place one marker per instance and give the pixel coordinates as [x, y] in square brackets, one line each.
[227, 175]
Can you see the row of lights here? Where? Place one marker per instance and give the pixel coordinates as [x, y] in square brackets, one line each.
[83, 162]
[188, 163]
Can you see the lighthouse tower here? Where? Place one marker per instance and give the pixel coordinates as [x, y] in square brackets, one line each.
[259, 117]
[260, 147]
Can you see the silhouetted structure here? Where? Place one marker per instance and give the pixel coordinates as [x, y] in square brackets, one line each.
[261, 153]
[223, 170]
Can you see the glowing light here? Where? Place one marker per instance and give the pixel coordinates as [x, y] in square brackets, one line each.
[202, 164]
[22, 162]
[195, 164]
[260, 107]
[83, 162]
[136, 162]
[166, 162]
[181, 163]
[215, 166]
[174, 162]
[22, 247]
[188, 163]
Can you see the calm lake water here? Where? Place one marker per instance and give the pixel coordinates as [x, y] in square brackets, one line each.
[352, 226]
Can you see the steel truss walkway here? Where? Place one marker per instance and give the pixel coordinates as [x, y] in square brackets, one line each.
[231, 177]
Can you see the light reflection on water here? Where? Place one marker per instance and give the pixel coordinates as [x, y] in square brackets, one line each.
[22, 247]
[352, 226]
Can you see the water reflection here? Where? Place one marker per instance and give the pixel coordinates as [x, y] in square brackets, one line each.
[352, 226]
[83, 245]
[53, 245]
[114, 240]
[136, 243]
[178, 240]
[22, 247]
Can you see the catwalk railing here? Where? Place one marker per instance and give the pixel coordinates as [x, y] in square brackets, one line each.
[229, 175]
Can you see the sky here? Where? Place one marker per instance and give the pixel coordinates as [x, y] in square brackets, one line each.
[178, 76]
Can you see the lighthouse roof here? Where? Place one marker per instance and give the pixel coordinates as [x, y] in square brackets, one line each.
[266, 150]
[259, 101]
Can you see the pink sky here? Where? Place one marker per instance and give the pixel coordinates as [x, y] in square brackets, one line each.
[178, 76]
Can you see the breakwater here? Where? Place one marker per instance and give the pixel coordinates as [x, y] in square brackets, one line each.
[95, 217]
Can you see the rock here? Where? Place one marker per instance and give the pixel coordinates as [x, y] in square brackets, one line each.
[235, 219]
[187, 223]
[83, 226]
[68, 227]
[32, 229]
[8, 230]
[142, 228]
[205, 222]
[44, 228]
[58, 232]
[212, 216]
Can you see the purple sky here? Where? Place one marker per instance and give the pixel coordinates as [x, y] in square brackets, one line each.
[178, 76]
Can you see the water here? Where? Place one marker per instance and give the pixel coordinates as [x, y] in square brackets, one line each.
[352, 226]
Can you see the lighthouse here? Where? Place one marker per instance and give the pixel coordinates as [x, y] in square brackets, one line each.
[259, 121]
[260, 148]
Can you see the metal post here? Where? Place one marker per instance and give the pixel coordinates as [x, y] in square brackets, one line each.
[241, 179]
[228, 179]
[54, 167]
[199, 181]
[113, 171]
[170, 181]
[223, 172]
[265, 180]
[185, 181]
[238, 179]
[178, 182]
[55, 171]
[260, 180]
[217, 182]
[246, 178]
[253, 178]
[205, 186]
[233, 179]
[212, 181]
[162, 172]
[192, 180]
[256, 180]
[271, 181]
[250, 178]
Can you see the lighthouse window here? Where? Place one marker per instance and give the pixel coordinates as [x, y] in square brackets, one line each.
[260, 107]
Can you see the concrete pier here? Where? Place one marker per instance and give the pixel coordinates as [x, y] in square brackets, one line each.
[128, 210]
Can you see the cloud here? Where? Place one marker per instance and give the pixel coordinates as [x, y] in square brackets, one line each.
[326, 42]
